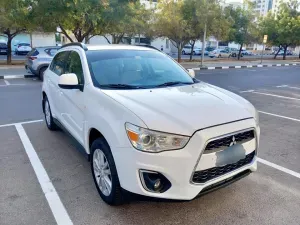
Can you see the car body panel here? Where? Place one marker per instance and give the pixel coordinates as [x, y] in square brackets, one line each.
[183, 109]
[199, 111]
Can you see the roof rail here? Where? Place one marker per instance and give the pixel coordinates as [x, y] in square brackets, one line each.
[83, 46]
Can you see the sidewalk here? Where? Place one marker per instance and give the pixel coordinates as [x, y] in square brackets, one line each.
[238, 64]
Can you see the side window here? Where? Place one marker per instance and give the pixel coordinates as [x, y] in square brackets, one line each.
[59, 63]
[74, 66]
[51, 51]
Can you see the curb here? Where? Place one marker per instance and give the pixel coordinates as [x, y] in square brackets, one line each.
[242, 67]
[17, 76]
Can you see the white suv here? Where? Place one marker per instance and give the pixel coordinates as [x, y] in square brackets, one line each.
[146, 124]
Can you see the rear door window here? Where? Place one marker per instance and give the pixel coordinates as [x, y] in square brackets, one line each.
[51, 51]
[33, 52]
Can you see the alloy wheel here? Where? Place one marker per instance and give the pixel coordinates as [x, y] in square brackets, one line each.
[47, 113]
[102, 172]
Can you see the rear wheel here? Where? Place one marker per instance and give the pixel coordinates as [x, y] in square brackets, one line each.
[105, 173]
[48, 115]
[42, 72]
[194, 53]
[183, 52]
[219, 56]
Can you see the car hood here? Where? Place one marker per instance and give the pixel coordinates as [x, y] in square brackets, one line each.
[183, 109]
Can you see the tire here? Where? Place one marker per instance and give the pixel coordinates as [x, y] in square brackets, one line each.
[48, 115]
[219, 56]
[41, 73]
[183, 52]
[111, 194]
[234, 55]
[194, 53]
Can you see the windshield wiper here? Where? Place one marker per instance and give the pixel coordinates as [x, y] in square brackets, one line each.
[120, 86]
[172, 83]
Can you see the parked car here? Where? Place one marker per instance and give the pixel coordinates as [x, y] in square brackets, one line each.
[198, 51]
[220, 53]
[22, 49]
[210, 49]
[246, 52]
[3, 49]
[38, 59]
[235, 52]
[146, 124]
[187, 50]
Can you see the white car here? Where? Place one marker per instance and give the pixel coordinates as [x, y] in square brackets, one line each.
[22, 49]
[146, 124]
[187, 50]
[220, 53]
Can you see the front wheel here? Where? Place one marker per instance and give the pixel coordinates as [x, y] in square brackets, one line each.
[183, 52]
[105, 173]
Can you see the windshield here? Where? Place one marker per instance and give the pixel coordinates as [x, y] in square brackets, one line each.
[135, 69]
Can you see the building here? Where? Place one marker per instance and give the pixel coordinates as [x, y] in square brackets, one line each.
[234, 4]
[262, 7]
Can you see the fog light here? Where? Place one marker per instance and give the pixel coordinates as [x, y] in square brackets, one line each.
[154, 181]
[157, 184]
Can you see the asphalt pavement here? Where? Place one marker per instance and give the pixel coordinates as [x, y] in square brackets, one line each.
[269, 196]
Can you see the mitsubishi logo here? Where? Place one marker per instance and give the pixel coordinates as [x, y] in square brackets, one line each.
[233, 142]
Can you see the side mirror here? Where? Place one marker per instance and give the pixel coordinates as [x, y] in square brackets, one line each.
[191, 73]
[69, 81]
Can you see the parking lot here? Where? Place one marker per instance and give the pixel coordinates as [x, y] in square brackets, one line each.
[44, 180]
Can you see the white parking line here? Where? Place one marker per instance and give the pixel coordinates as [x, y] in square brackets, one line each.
[277, 96]
[248, 91]
[25, 122]
[6, 82]
[284, 117]
[59, 212]
[285, 170]
[287, 86]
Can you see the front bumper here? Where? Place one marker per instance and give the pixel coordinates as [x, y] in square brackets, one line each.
[178, 166]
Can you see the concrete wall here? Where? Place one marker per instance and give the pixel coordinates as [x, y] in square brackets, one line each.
[38, 39]
[43, 39]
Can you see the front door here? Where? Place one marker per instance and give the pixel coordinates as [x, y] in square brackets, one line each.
[73, 104]
[56, 69]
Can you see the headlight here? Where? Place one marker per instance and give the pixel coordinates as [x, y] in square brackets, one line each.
[256, 117]
[154, 141]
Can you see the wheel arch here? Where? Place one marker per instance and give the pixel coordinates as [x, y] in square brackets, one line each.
[93, 134]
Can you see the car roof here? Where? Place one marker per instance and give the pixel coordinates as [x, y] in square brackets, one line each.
[118, 47]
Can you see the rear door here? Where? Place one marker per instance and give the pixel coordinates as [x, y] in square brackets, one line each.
[56, 69]
[73, 104]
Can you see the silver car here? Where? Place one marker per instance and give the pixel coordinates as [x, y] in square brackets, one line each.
[38, 60]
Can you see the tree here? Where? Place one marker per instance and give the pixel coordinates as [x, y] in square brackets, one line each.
[124, 18]
[283, 29]
[203, 14]
[14, 19]
[244, 28]
[78, 17]
[170, 22]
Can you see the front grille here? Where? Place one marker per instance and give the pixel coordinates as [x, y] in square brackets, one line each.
[225, 142]
[209, 174]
